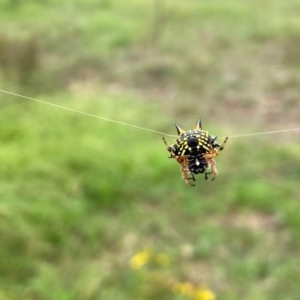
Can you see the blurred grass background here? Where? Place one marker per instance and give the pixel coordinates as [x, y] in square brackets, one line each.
[80, 196]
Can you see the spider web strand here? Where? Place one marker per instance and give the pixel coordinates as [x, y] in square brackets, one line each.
[261, 133]
[88, 114]
[139, 127]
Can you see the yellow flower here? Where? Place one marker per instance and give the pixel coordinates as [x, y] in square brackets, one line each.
[204, 294]
[184, 288]
[139, 260]
[162, 259]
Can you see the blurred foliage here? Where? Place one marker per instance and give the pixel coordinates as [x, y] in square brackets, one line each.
[80, 197]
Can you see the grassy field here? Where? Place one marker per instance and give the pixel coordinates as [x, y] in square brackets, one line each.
[91, 209]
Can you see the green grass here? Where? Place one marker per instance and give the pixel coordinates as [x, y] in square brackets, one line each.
[81, 196]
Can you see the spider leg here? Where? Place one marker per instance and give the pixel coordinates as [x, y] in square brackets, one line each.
[168, 147]
[185, 171]
[223, 145]
[172, 154]
[193, 177]
[214, 152]
[214, 171]
[183, 161]
[212, 165]
[225, 141]
[205, 174]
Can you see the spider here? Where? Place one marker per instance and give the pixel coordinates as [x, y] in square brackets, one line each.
[195, 151]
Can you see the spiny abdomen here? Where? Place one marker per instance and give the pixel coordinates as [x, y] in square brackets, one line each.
[192, 142]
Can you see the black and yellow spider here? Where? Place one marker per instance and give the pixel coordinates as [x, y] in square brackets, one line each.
[195, 150]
